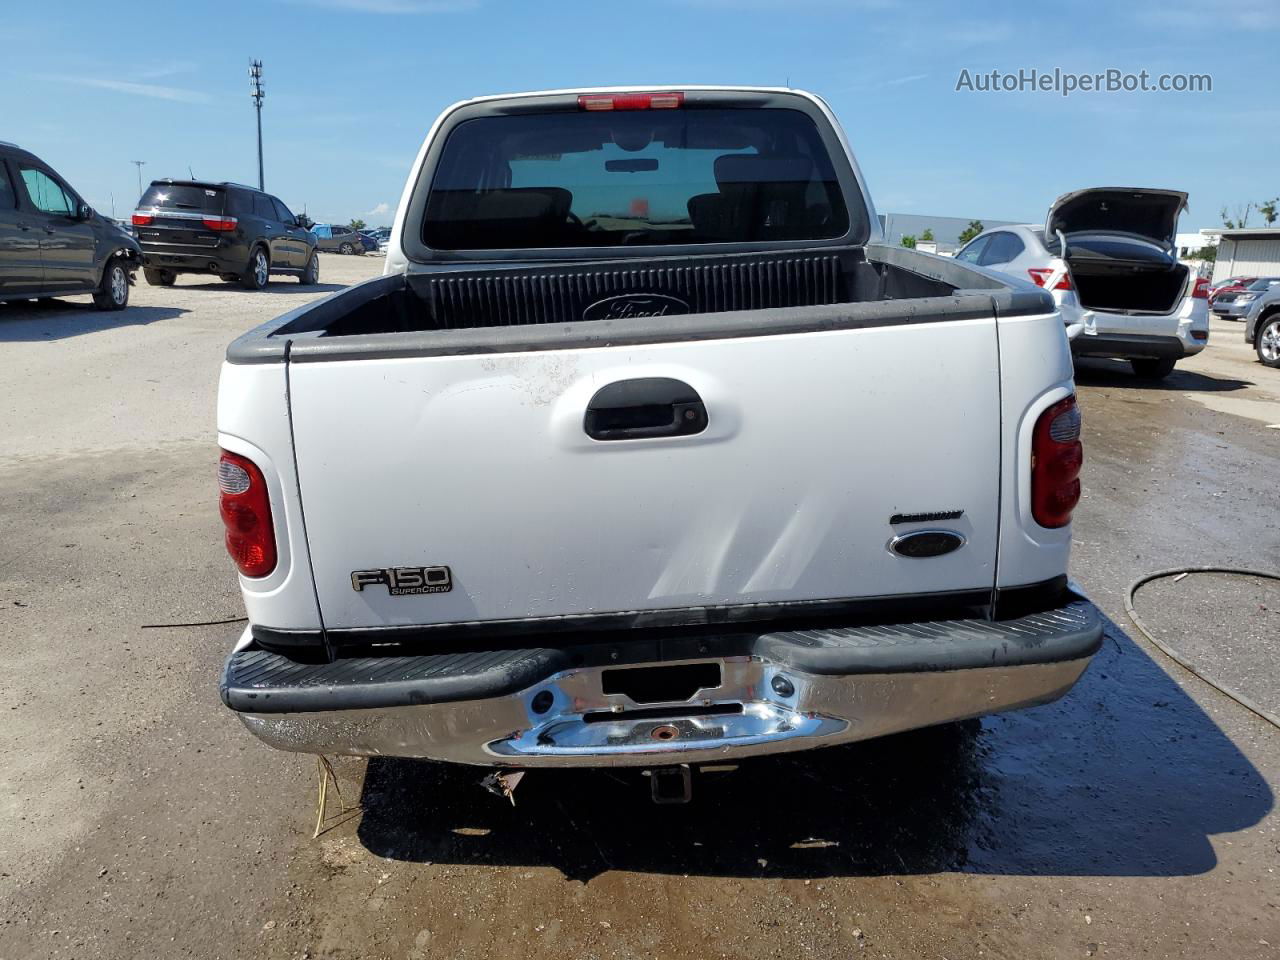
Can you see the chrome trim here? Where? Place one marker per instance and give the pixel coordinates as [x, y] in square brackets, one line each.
[821, 711]
[170, 214]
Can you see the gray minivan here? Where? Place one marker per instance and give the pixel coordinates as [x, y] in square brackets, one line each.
[52, 243]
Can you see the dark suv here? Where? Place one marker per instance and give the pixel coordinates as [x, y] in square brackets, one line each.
[234, 231]
[52, 243]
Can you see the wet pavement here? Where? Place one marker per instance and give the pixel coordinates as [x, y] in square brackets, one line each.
[1134, 818]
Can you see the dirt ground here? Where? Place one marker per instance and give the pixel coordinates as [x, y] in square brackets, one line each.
[138, 819]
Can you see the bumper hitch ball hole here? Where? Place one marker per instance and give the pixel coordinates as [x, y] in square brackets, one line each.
[542, 701]
[661, 684]
[664, 731]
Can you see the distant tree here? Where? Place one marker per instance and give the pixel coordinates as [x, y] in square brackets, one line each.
[357, 224]
[974, 228]
[909, 241]
[305, 222]
[927, 236]
[1270, 210]
[1240, 220]
[1209, 253]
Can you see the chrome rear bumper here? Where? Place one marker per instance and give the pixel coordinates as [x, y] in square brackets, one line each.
[790, 691]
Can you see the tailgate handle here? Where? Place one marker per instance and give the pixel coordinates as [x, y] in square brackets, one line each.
[644, 407]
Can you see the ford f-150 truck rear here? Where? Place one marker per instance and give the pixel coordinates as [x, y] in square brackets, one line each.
[646, 450]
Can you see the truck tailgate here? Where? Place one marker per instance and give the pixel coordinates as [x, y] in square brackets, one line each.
[482, 464]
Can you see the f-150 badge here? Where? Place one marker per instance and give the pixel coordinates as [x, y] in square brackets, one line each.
[404, 581]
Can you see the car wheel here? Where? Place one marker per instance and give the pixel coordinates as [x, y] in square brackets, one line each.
[258, 272]
[1152, 369]
[347, 249]
[114, 292]
[1268, 342]
[311, 274]
[159, 278]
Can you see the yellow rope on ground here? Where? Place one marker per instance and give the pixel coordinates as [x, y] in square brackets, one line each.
[325, 773]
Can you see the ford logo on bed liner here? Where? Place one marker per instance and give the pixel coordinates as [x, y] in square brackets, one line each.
[630, 305]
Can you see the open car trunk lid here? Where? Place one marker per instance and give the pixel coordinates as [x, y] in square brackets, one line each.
[1119, 247]
[553, 484]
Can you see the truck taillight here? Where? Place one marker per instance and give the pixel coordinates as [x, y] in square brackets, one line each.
[142, 219]
[1201, 290]
[222, 224]
[1041, 275]
[246, 513]
[630, 101]
[1056, 458]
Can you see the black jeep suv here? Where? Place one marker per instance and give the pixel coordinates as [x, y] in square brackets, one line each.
[52, 243]
[234, 231]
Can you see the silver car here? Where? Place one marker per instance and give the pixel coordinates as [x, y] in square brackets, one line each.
[1122, 292]
[1237, 304]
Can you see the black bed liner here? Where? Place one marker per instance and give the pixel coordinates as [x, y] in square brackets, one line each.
[554, 306]
[260, 681]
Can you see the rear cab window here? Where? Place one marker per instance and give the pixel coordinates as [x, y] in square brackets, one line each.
[638, 178]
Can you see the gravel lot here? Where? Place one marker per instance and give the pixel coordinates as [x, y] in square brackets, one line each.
[1136, 818]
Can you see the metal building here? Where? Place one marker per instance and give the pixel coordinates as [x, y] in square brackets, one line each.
[1252, 252]
[946, 230]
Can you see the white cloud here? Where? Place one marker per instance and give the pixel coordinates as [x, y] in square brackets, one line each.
[392, 6]
[152, 90]
[898, 81]
[380, 210]
[168, 69]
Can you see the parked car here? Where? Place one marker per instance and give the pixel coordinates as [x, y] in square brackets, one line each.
[1261, 306]
[643, 547]
[1235, 304]
[236, 232]
[1231, 285]
[52, 243]
[336, 238]
[1122, 292]
[368, 241]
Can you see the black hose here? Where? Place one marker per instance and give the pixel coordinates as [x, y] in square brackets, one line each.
[201, 623]
[1179, 658]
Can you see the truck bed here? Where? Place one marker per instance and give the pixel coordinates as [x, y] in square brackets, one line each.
[490, 309]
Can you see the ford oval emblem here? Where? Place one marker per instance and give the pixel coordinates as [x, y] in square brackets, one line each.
[926, 543]
[630, 305]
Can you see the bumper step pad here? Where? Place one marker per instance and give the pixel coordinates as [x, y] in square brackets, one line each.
[260, 681]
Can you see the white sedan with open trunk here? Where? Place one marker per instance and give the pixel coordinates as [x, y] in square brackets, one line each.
[1122, 292]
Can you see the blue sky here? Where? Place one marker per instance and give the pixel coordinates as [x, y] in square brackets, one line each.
[353, 85]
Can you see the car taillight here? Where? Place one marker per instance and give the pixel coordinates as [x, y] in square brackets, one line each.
[1201, 290]
[142, 219]
[220, 223]
[246, 513]
[1041, 275]
[630, 101]
[1056, 458]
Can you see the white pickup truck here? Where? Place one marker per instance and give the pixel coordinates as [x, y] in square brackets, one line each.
[647, 451]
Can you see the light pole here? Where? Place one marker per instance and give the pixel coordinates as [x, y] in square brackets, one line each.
[255, 85]
[138, 164]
